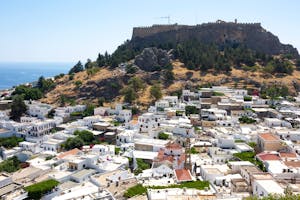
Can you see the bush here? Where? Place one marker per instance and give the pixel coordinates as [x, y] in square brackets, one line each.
[86, 136]
[36, 191]
[142, 165]
[59, 76]
[191, 110]
[129, 94]
[247, 98]
[155, 91]
[246, 120]
[250, 156]
[130, 69]
[10, 165]
[163, 136]
[117, 150]
[71, 77]
[199, 185]
[135, 190]
[28, 93]
[10, 142]
[78, 83]
[72, 143]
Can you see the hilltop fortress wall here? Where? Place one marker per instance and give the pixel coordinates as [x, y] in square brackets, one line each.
[143, 32]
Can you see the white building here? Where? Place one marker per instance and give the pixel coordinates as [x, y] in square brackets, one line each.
[148, 122]
[37, 109]
[124, 115]
[264, 188]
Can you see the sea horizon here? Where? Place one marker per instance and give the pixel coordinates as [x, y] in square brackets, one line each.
[16, 72]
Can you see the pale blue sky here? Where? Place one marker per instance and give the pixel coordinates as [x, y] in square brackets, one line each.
[71, 30]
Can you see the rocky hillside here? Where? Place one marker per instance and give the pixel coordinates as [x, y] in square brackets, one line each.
[177, 57]
[252, 35]
[108, 83]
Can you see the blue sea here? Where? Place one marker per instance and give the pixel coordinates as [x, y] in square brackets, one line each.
[16, 73]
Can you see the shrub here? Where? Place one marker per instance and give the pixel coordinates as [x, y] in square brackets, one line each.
[155, 91]
[36, 191]
[191, 110]
[10, 142]
[247, 98]
[10, 165]
[135, 190]
[163, 136]
[246, 120]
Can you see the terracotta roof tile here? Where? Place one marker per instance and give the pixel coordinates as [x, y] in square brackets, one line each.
[268, 136]
[295, 164]
[183, 175]
[68, 153]
[288, 155]
[173, 146]
[268, 156]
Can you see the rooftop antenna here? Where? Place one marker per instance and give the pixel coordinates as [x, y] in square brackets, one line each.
[167, 17]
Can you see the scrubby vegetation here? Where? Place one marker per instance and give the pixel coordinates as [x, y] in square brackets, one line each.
[163, 136]
[10, 165]
[18, 108]
[140, 189]
[141, 165]
[36, 191]
[81, 138]
[246, 120]
[250, 156]
[191, 110]
[274, 91]
[10, 142]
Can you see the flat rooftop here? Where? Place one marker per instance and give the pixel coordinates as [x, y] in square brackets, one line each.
[9, 188]
[268, 136]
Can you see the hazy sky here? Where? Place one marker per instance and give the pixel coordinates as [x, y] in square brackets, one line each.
[71, 30]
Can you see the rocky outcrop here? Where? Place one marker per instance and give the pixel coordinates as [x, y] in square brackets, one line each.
[252, 35]
[152, 58]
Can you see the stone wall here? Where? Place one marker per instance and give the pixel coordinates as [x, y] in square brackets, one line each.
[253, 35]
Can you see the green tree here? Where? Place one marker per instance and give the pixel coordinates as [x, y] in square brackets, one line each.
[88, 64]
[136, 83]
[191, 110]
[155, 91]
[18, 108]
[72, 143]
[168, 76]
[10, 165]
[28, 93]
[77, 68]
[86, 136]
[129, 94]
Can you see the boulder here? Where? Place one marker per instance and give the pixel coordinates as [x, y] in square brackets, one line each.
[152, 59]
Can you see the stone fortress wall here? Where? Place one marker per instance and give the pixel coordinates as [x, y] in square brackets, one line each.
[157, 28]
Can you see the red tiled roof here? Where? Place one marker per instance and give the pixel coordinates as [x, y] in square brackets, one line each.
[181, 159]
[162, 157]
[183, 175]
[268, 156]
[295, 164]
[288, 155]
[68, 153]
[173, 146]
[268, 136]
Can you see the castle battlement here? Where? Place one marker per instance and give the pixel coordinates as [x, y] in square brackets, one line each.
[146, 31]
